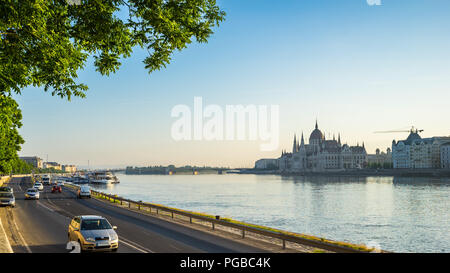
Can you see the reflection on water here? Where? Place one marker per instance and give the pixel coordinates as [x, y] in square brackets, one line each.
[401, 214]
[102, 187]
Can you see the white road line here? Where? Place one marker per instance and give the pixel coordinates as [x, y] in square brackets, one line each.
[121, 239]
[50, 202]
[5, 239]
[44, 206]
[18, 184]
[21, 237]
[134, 245]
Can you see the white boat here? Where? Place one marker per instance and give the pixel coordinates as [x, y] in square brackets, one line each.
[103, 178]
[78, 179]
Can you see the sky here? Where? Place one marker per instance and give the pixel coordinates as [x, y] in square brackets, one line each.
[356, 68]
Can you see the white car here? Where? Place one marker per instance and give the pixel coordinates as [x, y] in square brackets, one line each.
[84, 191]
[32, 193]
[38, 186]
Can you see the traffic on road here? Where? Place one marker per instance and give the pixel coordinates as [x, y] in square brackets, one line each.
[43, 217]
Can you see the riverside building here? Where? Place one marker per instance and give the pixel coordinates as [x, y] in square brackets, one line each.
[445, 156]
[33, 160]
[54, 165]
[380, 159]
[416, 152]
[320, 154]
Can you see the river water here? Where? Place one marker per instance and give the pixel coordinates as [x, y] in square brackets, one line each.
[397, 214]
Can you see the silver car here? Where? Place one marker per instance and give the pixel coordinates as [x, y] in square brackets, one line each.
[6, 189]
[84, 191]
[93, 233]
[32, 193]
[7, 199]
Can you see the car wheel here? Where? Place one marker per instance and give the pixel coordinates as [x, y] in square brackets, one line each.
[115, 249]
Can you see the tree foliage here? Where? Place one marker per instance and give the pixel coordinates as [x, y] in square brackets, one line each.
[45, 42]
[10, 140]
[21, 167]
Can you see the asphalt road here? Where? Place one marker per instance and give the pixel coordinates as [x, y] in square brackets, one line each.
[41, 226]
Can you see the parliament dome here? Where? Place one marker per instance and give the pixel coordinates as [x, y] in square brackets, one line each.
[316, 134]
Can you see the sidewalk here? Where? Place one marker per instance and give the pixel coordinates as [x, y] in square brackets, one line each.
[5, 247]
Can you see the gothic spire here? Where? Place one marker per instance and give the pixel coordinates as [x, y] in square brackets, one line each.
[294, 146]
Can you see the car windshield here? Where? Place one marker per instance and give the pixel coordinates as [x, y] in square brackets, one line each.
[94, 224]
[5, 194]
[32, 190]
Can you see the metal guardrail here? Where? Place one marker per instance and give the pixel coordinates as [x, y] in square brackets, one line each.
[242, 227]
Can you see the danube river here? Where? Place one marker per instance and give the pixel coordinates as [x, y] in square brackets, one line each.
[398, 214]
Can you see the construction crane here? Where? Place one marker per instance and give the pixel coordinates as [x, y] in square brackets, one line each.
[412, 130]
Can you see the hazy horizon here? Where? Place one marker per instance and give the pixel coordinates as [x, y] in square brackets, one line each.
[356, 68]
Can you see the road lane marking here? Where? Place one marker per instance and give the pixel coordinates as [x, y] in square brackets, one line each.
[50, 202]
[44, 206]
[134, 245]
[5, 239]
[20, 235]
[126, 242]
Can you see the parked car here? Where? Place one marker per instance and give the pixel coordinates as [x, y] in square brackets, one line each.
[7, 199]
[6, 189]
[93, 233]
[56, 189]
[32, 193]
[84, 191]
[38, 186]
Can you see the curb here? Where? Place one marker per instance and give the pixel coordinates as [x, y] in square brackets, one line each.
[5, 246]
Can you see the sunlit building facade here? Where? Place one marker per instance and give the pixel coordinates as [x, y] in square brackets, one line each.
[445, 156]
[418, 153]
[321, 154]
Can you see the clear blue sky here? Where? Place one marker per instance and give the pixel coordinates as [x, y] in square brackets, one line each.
[357, 68]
